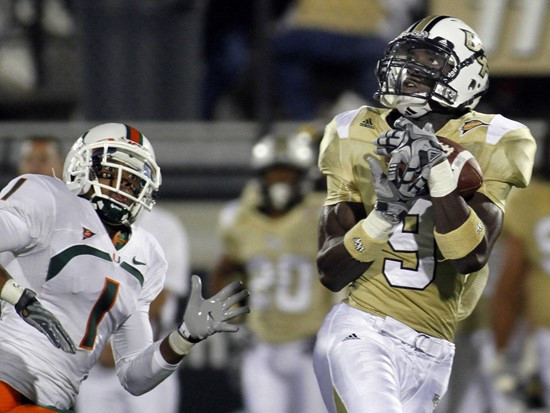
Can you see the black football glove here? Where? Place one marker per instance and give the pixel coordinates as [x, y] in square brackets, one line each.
[33, 313]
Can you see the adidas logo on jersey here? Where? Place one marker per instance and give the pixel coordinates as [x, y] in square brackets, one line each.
[352, 337]
[367, 123]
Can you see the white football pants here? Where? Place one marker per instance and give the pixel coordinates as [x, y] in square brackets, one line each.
[279, 378]
[369, 364]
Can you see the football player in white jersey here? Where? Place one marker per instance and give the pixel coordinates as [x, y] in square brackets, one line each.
[95, 273]
[270, 240]
[101, 391]
[411, 249]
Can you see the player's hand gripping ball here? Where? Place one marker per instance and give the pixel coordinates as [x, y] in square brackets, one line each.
[411, 152]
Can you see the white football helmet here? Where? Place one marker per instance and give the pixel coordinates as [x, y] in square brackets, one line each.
[118, 147]
[293, 151]
[454, 72]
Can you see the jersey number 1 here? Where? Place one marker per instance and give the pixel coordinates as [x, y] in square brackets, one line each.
[103, 304]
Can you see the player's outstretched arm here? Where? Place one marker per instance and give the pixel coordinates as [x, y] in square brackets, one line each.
[204, 317]
[32, 312]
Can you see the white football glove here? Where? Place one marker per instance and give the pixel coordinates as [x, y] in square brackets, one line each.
[389, 202]
[204, 317]
[415, 148]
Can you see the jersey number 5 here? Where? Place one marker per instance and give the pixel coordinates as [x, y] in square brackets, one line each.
[413, 246]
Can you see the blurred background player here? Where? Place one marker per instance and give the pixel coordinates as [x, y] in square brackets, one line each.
[523, 287]
[41, 155]
[270, 241]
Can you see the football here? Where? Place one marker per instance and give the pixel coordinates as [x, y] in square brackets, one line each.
[465, 167]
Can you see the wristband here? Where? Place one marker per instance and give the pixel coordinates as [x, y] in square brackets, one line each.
[365, 240]
[377, 227]
[187, 335]
[179, 344]
[442, 180]
[461, 241]
[11, 292]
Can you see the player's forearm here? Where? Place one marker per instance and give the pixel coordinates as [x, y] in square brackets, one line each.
[345, 258]
[459, 232]
[145, 371]
[175, 347]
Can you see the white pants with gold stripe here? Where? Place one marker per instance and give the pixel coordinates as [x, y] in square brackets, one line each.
[369, 364]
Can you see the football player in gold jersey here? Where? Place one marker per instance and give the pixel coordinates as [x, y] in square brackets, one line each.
[523, 286]
[411, 249]
[270, 238]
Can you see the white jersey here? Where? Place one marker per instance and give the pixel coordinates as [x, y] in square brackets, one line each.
[172, 236]
[68, 258]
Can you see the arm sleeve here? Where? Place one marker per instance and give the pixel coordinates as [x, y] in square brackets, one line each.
[27, 215]
[340, 181]
[140, 366]
[510, 164]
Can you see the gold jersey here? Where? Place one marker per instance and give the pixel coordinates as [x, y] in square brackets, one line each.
[407, 282]
[528, 218]
[287, 300]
